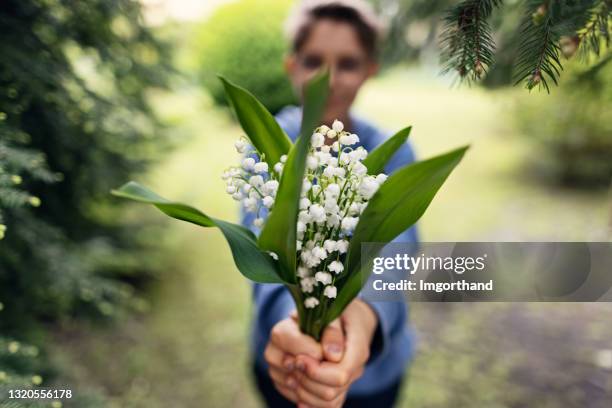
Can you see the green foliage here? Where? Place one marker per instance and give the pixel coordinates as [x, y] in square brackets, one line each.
[539, 54]
[279, 233]
[468, 38]
[574, 137]
[73, 77]
[258, 123]
[17, 161]
[244, 42]
[378, 158]
[549, 30]
[20, 367]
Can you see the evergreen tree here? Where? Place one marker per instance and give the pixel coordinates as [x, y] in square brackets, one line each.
[74, 123]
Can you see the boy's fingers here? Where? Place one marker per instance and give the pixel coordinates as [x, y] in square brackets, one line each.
[357, 346]
[281, 381]
[288, 393]
[313, 400]
[322, 391]
[274, 356]
[326, 373]
[357, 374]
[332, 341]
[286, 335]
[277, 376]
[288, 362]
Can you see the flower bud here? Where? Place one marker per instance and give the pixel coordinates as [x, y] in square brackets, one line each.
[256, 181]
[335, 266]
[323, 277]
[307, 284]
[268, 201]
[312, 162]
[311, 302]
[342, 246]
[248, 163]
[317, 140]
[338, 126]
[261, 167]
[330, 292]
[240, 145]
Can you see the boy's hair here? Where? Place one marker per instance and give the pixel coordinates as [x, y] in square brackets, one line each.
[357, 13]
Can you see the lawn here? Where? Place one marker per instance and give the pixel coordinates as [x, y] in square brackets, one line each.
[190, 349]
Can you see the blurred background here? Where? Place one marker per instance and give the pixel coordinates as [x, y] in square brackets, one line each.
[130, 310]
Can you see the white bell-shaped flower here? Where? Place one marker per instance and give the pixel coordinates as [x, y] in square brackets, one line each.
[323, 277]
[261, 167]
[248, 163]
[317, 140]
[335, 266]
[311, 302]
[330, 292]
[338, 126]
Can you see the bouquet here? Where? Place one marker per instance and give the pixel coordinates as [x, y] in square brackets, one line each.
[314, 203]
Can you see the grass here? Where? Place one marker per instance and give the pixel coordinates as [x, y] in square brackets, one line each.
[191, 348]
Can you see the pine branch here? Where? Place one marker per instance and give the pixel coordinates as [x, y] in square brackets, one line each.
[13, 198]
[596, 31]
[538, 57]
[467, 42]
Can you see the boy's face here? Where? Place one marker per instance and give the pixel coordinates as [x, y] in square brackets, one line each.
[334, 45]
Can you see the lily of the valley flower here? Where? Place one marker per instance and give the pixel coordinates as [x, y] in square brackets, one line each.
[335, 191]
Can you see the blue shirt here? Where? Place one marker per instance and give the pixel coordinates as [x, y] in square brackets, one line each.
[393, 344]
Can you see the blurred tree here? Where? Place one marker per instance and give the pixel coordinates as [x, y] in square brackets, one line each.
[244, 42]
[573, 136]
[413, 26]
[74, 123]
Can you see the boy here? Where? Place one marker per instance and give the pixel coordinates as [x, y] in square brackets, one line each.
[363, 355]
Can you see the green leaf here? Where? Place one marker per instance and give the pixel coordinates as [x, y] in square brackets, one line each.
[396, 206]
[137, 192]
[279, 232]
[260, 126]
[378, 158]
[254, 264]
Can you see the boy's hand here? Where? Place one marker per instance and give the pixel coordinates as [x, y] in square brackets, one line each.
[287, 342]
[321, 378]
[324, 383]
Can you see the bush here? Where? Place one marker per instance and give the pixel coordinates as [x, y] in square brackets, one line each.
[74, 123]
[572, 128]
[244, 42]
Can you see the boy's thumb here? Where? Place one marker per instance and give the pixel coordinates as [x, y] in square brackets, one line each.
[332, 341]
